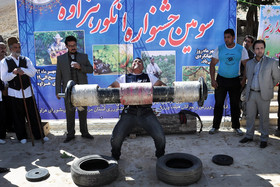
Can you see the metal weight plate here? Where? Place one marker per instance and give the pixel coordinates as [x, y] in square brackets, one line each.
[223, 160]
[37, 174]
[203, 91]
[68, 91]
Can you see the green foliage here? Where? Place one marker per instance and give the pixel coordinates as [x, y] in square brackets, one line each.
[115, 55]
[167, 65]
[43, 40]
[192, 73]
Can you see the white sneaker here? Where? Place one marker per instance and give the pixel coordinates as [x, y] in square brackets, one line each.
[2, 141]
[46, 139]
[238, 132]
[23, 141]
[213, 131]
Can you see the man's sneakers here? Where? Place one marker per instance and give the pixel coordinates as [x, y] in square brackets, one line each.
[245, 140]
[213, 131]
[2, 141]
[238, 132]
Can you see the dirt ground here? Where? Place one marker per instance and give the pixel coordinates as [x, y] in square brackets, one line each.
[252, 165]
[8, 19]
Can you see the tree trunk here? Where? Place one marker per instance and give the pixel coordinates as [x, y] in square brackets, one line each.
[252, 19]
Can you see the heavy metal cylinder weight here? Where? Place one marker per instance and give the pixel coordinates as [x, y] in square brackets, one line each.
[135, 93]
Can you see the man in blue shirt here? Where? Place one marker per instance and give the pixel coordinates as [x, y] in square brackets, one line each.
[230, 56]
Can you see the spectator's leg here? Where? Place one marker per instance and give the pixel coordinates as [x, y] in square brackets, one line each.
[251, 105]
[83, 121]
[70, 120]
[19, 118]
[220, 95]
[234, 97]
[2, 125]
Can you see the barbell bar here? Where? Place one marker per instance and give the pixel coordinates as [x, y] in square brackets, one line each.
[134, 93]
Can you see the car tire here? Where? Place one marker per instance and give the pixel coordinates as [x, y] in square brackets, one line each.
[94, 170]
[179, 169]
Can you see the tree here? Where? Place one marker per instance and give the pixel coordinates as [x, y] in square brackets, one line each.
[252, 21]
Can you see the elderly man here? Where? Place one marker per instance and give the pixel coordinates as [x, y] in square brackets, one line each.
[137, 115]
[262, 74]
[17, 70]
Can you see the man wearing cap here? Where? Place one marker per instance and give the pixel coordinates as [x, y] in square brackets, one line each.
[17, 69]
[57, 48]
[153, 68]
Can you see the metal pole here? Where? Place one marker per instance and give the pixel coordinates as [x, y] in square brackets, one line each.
[37, 113]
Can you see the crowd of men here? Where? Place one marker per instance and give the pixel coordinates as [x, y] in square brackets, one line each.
[238, 65]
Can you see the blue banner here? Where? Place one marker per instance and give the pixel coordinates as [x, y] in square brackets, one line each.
[180, 36]
[269, 29]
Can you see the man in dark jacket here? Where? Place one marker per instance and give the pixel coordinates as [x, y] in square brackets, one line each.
[73, 66]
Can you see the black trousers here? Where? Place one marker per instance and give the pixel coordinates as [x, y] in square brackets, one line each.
[142, 117]
[232, 87]
[70, 120]
[2, 124]
[20, 118]
[8, 114]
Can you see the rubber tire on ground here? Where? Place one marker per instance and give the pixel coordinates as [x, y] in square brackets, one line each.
[37, 174]
[94, 170]
[179, 169]
[223, 160]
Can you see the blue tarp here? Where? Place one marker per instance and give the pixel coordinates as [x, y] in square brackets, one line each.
[180, 35]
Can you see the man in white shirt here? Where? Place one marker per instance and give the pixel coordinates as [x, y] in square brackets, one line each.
[16, 69]
[153, 68]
